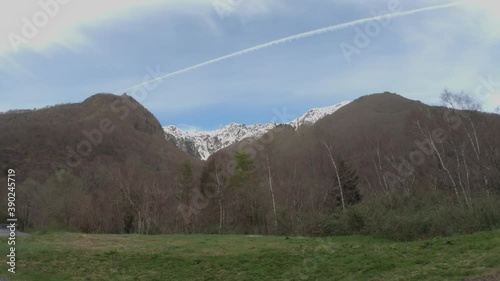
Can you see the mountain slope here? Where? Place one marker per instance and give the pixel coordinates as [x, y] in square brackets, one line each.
[380, 136]
[202, 144]
[103, 129]
[315, 114]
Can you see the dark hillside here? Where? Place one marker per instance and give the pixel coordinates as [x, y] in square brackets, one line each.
[385, 124]
[102, 165]
[378, 146]
[104, 128]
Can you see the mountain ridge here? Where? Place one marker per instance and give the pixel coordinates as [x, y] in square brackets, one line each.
[202, 144]
[104, 129]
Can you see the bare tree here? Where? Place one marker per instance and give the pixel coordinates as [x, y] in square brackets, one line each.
[376, 158]
[428, 137]
[142, 196]
[463, 101]
[220, 179]
[268, 175]
[335, 167]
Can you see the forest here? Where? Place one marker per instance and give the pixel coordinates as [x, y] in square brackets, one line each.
[383, 166]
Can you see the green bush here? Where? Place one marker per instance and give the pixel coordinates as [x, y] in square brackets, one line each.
[313, 224]
[406, 218]
[421, 216]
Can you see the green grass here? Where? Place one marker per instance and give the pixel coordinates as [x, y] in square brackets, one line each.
[70, 256]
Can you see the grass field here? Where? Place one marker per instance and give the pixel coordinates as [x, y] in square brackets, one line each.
[70, 256]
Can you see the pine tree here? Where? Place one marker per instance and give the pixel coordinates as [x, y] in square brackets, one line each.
[350, 192]
[243, 183]
[350, 180]
[186, 181]
[184, 195]
[243, 169]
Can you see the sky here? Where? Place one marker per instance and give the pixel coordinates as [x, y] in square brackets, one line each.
[62, 51]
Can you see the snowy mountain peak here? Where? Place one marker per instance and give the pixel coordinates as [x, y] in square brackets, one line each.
[202, 144]
[315, 114]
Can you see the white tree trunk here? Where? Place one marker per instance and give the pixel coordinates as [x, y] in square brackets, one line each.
[270, 182]
[433, 146]
[328, 148]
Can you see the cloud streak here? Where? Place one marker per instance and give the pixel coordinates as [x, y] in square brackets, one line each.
[290, 39]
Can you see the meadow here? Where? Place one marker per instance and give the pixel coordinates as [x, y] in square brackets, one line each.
[58, 256]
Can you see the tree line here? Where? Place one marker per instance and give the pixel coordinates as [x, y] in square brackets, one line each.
[446, 181]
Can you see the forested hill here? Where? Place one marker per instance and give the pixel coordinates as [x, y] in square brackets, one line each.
[379, 162]
[103, 129]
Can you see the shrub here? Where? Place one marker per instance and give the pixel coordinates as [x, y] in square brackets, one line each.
[421, 216]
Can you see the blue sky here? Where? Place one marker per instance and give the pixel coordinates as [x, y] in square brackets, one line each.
[88, 47]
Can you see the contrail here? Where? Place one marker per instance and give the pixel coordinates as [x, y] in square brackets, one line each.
[293, 38]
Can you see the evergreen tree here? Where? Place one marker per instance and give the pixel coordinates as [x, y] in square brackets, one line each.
[186, 181]
[244, 184]
[350, 180]
[243, 169]
[187, 173]
[184, 195]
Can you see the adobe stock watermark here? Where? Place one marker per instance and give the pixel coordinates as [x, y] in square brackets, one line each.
[322, 254]
[225, 8]
[363, 36]
[487, 88]
[427, 147]
[40, 19]
[94, 137]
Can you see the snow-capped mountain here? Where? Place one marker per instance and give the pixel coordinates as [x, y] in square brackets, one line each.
[202, 144]
[313, 115]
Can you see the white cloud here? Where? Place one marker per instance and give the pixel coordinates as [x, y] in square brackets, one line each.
[485, 16]
[249, 9]
[40, 24]
[491, 102]
[189, 128]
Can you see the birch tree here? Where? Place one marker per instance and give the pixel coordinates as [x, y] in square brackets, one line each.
[336, 170]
